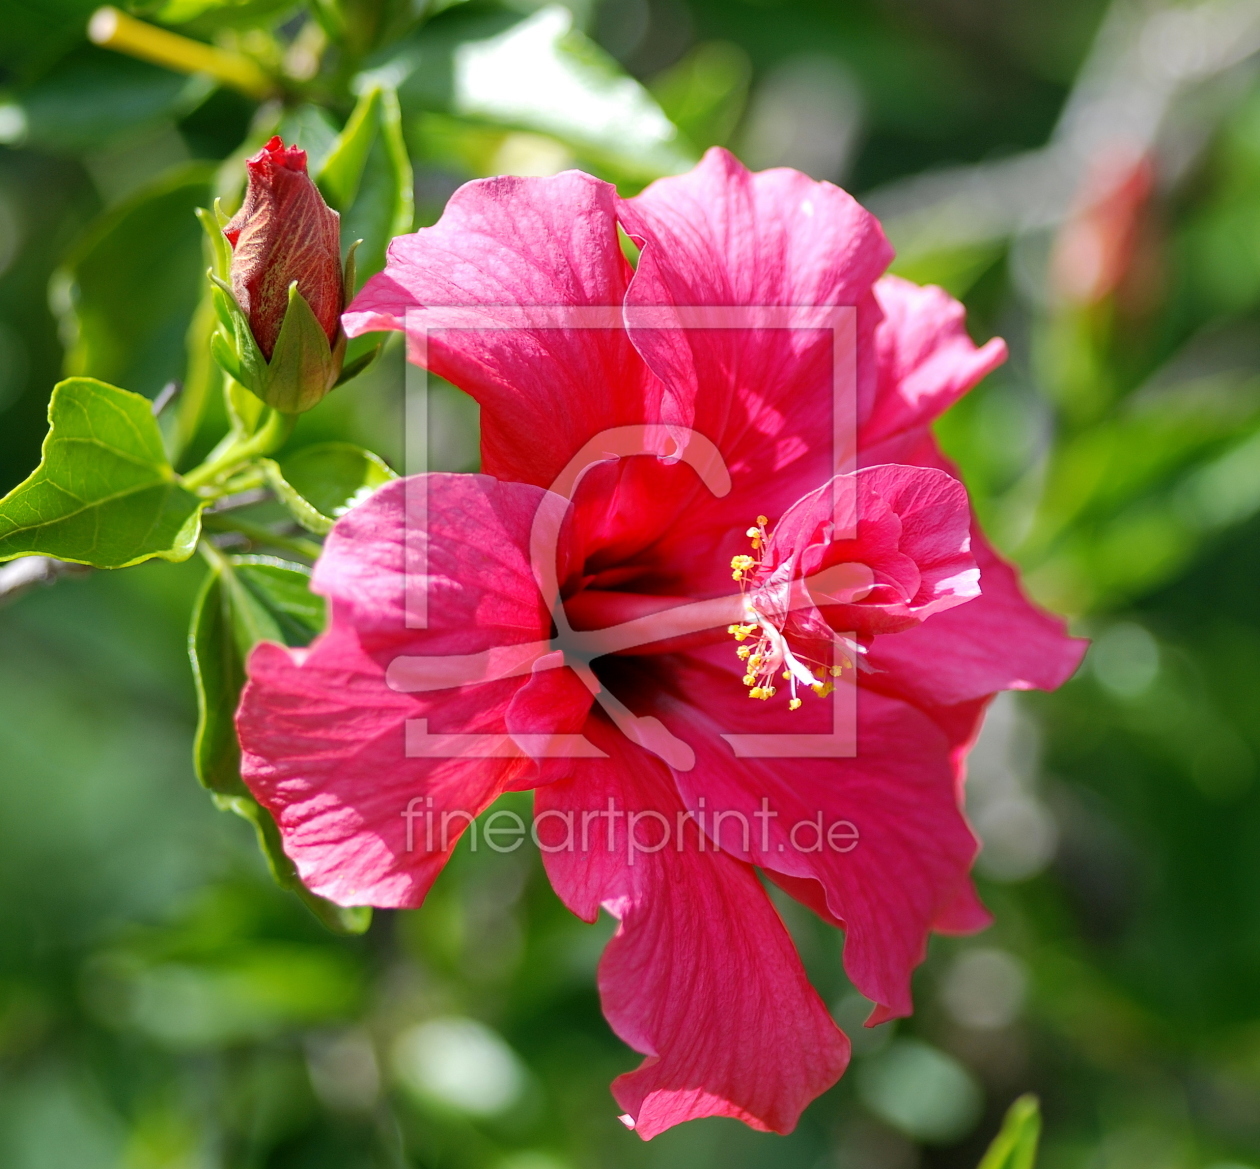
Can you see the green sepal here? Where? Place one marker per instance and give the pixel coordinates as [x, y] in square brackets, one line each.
[213, 222]
[1015, 1146]
[349, 274]
[104, 493]
[360, 364]
[247, 599]
[303, 366]
[320, 483]
[221, 350]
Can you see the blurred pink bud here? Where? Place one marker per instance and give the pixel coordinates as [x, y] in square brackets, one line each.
[1099, 242]
[284, 232]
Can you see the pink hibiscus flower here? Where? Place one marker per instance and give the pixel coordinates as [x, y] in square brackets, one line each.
[584, 636]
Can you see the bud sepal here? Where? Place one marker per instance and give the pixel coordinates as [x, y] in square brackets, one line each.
[304, 366]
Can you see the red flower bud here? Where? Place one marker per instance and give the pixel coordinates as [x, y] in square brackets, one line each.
[284, 232]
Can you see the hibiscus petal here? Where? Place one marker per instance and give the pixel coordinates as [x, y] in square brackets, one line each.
[370, 782]
[324, 751]
[502, 247]
[926, 362]
[722, 236]
[999, 641]
[912, 529]
[701, 975]
[881, 832]
[463, 540]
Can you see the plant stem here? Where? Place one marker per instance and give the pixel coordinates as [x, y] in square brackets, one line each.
[116, 30]
[263, 441]
[258, 534]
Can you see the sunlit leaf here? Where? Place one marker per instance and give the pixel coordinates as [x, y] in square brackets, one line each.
[544, 75]
[103, 493]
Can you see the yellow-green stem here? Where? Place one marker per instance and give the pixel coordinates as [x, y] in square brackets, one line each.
[267, 438]
[116, 30]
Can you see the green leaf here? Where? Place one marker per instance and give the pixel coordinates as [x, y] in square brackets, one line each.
[130, 288]
[367, 177]
[103, 493]
[282, 588]
[1015, 1146]
[544, 75]
[218, 675]
[92, 99]
[342, 171]
[309, 127]
[247, 599]
[320, 483]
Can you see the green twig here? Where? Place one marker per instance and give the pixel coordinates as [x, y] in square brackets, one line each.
[269, 437]
[258, 534]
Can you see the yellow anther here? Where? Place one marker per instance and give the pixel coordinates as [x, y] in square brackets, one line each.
[787, 675]
[743, 652]
[836, 671]
[754, 532]
[749, 679]
[762, 521]
[795, 704]
[820, 671]
[742, 563]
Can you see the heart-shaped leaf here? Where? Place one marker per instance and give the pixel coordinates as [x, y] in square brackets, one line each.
[103, 493]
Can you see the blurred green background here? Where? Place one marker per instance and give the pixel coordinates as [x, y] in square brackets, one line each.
[1087, 177]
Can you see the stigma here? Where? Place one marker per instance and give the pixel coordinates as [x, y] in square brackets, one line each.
[765, 653]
